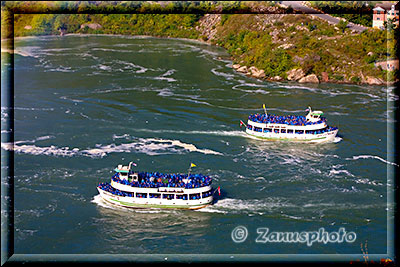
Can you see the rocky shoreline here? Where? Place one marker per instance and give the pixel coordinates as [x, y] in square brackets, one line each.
[208, 29]
[298, 75]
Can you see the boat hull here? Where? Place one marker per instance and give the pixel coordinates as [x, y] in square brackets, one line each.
[309, 138]
[137, 203]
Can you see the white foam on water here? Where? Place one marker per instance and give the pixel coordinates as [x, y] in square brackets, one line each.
[120, 136]
[334, 172]
[218, 133]
[164, 76]
[60, 69]
[337, 139]
[41, 138]
[228, 76]
[130, 65]
[190, 147]
[123, 45]
[35, 150]
[165, 92]
[230, 205]
[104, 67]
[150, 146]
[194, 101]
[367, 181]
[371, 157]
[41, 109]
[168, 79]
[85, 116]
[110, 50]
[338, 113]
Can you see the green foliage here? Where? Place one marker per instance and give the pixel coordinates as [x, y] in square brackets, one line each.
[278, 63]
[342, 25]
[355, 79]
[353, 11]
[172, 25]
[338, 77]
[224, 18]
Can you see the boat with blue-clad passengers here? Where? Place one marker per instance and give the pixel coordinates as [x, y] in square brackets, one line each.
[310, 128]
[134, 189]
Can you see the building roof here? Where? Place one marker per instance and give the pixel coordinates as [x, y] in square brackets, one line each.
[378, 8]
[387, 5]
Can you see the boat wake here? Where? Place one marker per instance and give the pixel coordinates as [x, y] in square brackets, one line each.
[337, 139]
[258, 206]
[218, 133]
[150, 146]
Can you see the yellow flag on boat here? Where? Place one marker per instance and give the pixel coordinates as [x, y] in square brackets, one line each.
[192, 165]
[265, 110]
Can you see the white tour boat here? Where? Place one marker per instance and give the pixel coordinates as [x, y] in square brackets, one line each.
[309, 128]
[132, 189]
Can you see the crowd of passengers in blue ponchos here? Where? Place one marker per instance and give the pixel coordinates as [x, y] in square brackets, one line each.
[156, 179]
[107, 187]
[289, 119]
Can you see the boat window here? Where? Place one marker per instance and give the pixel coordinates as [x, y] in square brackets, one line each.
[168, 196]
[276, 130]
[194, 196]
[267, 130]
[183, 197]
[283, 130]
[290, 131]
[141, 195]
[249, 127]
[206, 194]
[257, 129]
[299, 131]
[311, 131]
[154, 195]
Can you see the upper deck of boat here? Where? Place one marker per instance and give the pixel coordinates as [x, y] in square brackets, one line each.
[156, 180]
[288, 119]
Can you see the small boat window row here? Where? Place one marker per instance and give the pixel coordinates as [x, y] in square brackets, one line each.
[107, 187]
[289, 131]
